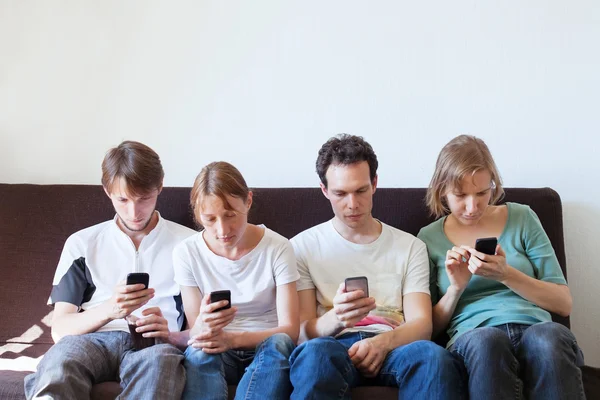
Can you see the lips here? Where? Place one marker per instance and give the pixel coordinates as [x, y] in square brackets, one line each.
[354, 216]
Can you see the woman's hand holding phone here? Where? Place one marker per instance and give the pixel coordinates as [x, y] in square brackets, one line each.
[210, 323]
[488, 266]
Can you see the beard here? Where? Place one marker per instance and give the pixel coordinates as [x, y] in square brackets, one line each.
[138, 229]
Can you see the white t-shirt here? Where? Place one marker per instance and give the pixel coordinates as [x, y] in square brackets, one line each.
[395, 264]
[95, 259]
[252, 279]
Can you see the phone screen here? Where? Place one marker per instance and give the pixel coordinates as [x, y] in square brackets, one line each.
[357, 283]
[486, 245]
[221, 295]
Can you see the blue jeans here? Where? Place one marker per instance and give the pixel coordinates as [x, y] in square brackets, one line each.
[513, 361]
[263, 373]
[322, 369]
[72, 365]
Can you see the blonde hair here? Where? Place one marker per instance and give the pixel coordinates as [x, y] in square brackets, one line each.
[463, 156]
[220, 179]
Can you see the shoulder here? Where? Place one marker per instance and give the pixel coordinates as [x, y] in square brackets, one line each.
[431, 231]
[275, 239]
[188, 243]
[398, 235]
[87, 236]
[311, 235]
[176, 230]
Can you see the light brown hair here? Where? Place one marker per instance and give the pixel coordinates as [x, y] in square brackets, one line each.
[137, 164]
[220, 179]
[463, 156]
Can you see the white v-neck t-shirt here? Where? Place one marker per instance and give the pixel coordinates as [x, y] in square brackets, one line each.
[252, 280]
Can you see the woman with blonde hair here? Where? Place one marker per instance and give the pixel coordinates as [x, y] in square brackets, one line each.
[249, 343]
[496, 307]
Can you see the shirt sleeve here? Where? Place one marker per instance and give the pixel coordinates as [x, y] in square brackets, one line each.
[305, 281]
[183, 266]
[72, 281]
[433, 270]
[540, 251]
[284, 270]
[417, 273]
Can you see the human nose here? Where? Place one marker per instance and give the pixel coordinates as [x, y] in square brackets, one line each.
[134, 209]
[352, 201]
[471, 204]
[220, 227]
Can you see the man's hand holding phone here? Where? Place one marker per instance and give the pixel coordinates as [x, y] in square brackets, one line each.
[126, 299]
[207, 333]
[350, 307]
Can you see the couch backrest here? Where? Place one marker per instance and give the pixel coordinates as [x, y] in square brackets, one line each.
[35, 221]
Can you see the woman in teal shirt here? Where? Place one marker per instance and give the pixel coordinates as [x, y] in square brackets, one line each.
[495, 308]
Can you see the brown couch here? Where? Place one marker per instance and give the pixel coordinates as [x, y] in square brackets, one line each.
[35, 221]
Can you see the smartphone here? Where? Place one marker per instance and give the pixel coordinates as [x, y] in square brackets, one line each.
[486, 245]
[357, 283]
[138, 277]
[221, 295]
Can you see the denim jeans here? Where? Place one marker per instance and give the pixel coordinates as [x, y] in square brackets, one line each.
[72, 365]
[263, 373]
[322, 369]
[514, 361]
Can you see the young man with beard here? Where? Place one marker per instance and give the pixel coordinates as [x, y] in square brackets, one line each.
[91, 298]
[351, 339]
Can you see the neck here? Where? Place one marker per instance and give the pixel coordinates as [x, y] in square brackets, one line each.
[365, 234]
[252, 236]
[137, 236]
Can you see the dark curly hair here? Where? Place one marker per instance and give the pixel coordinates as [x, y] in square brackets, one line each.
[345, 149]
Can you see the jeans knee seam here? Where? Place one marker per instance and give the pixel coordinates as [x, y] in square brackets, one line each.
[252, 377]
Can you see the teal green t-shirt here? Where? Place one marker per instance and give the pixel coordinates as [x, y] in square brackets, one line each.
[486, 302]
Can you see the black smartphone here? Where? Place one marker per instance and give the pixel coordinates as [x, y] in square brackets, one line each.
[357, 283]
[138, 277]
[486, 245]
[221, 295]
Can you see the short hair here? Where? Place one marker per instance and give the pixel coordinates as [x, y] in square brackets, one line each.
[137, 164]
[345, 149]
[463, 156]
[220, 179]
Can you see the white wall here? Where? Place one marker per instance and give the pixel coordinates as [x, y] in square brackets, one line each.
[264, 84]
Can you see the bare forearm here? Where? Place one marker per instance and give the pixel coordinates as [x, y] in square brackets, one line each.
[444, 309]
[179, 339]
[325, 325]
[549, 296]
[79, 323]
[417, 329]
[249, 340]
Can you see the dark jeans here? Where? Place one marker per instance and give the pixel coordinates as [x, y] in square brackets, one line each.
[513, 361]
[322, 369]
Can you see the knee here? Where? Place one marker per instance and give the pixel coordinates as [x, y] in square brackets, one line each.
[164, 355]
[547, 338]
[280, 343]
[196, 358]
[319, 349]
[483, 343]
[431, 353]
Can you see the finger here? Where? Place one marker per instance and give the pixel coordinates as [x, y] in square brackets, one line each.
[341, 289]
[209, 309]
[157, 334]
[461, 251]
[350, 297]
[135, 295]
[219, 315]
[353, 349]
[156, 326]
[215, 350]
[135, 302]
[500, 251]
[153, 310]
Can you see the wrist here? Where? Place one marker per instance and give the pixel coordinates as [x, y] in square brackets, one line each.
[384, 341]
[335, 326]
[509, 276]
[455, 292]
[235, 338]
